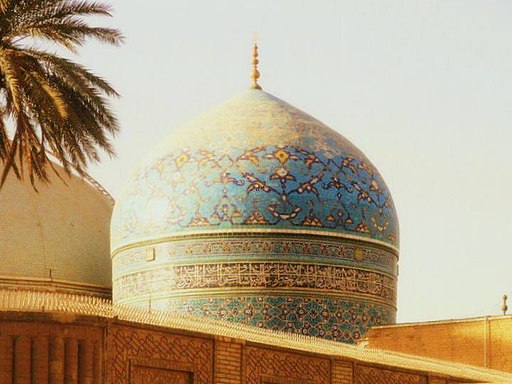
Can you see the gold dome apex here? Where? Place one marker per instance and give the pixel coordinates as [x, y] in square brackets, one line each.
[255, 75]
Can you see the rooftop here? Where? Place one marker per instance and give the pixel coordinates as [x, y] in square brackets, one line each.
[27, 301]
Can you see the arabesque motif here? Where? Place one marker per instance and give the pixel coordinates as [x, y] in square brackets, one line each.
[255, 162]
[284, 187]
[328, 318]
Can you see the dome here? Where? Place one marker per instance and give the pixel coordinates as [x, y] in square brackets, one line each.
[55, 238]
[256, 207]
[255, 162]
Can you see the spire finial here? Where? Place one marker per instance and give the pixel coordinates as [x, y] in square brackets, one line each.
[255, 75]
[504, 307]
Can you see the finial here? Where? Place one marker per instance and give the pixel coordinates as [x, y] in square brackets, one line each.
[255, 75]
[504, 307]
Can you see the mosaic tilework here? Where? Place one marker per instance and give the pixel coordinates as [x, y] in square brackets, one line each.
[285, 187]
[252, 247]
[196, 269]
[178, 280]
[267, 265]
[272, 167]
[332, 319]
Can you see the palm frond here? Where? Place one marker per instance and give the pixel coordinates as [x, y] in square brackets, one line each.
[10, 77]
[57, 106]
[71, 72]
[58, 21]
[4, 5]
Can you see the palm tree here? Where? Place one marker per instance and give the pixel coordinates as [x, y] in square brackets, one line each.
[51, 106]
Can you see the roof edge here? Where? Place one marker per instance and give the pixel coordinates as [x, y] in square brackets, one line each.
[97, 307]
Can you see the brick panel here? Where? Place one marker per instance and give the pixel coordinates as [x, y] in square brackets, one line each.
[342, 372]
[228, 361]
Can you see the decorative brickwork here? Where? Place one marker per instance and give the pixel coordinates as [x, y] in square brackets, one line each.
[266, 365]
[128, 345]
[436, 380]
[145, 375]
[89, 341]
[266, 379]
[372, 375]
[147, 371]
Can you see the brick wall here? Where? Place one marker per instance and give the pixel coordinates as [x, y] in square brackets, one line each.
[58, 349]
[228, 361]
[485, 342]
[342, 372]
[53, 351]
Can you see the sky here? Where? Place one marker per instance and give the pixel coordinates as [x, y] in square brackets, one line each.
[423, 88]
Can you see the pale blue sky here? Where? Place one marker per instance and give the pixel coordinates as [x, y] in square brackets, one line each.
[424, 88]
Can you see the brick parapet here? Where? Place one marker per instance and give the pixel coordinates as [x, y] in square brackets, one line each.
[69, 348]
[482, 341]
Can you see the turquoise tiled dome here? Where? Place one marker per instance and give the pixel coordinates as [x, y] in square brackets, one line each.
[255, 163]
[258, 213]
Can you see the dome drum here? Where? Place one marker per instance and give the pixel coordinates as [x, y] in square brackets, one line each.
[294, 282]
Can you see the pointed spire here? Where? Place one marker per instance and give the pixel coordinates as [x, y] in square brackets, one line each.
[255, 75]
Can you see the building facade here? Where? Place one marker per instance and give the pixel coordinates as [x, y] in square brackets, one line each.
[64, 338]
